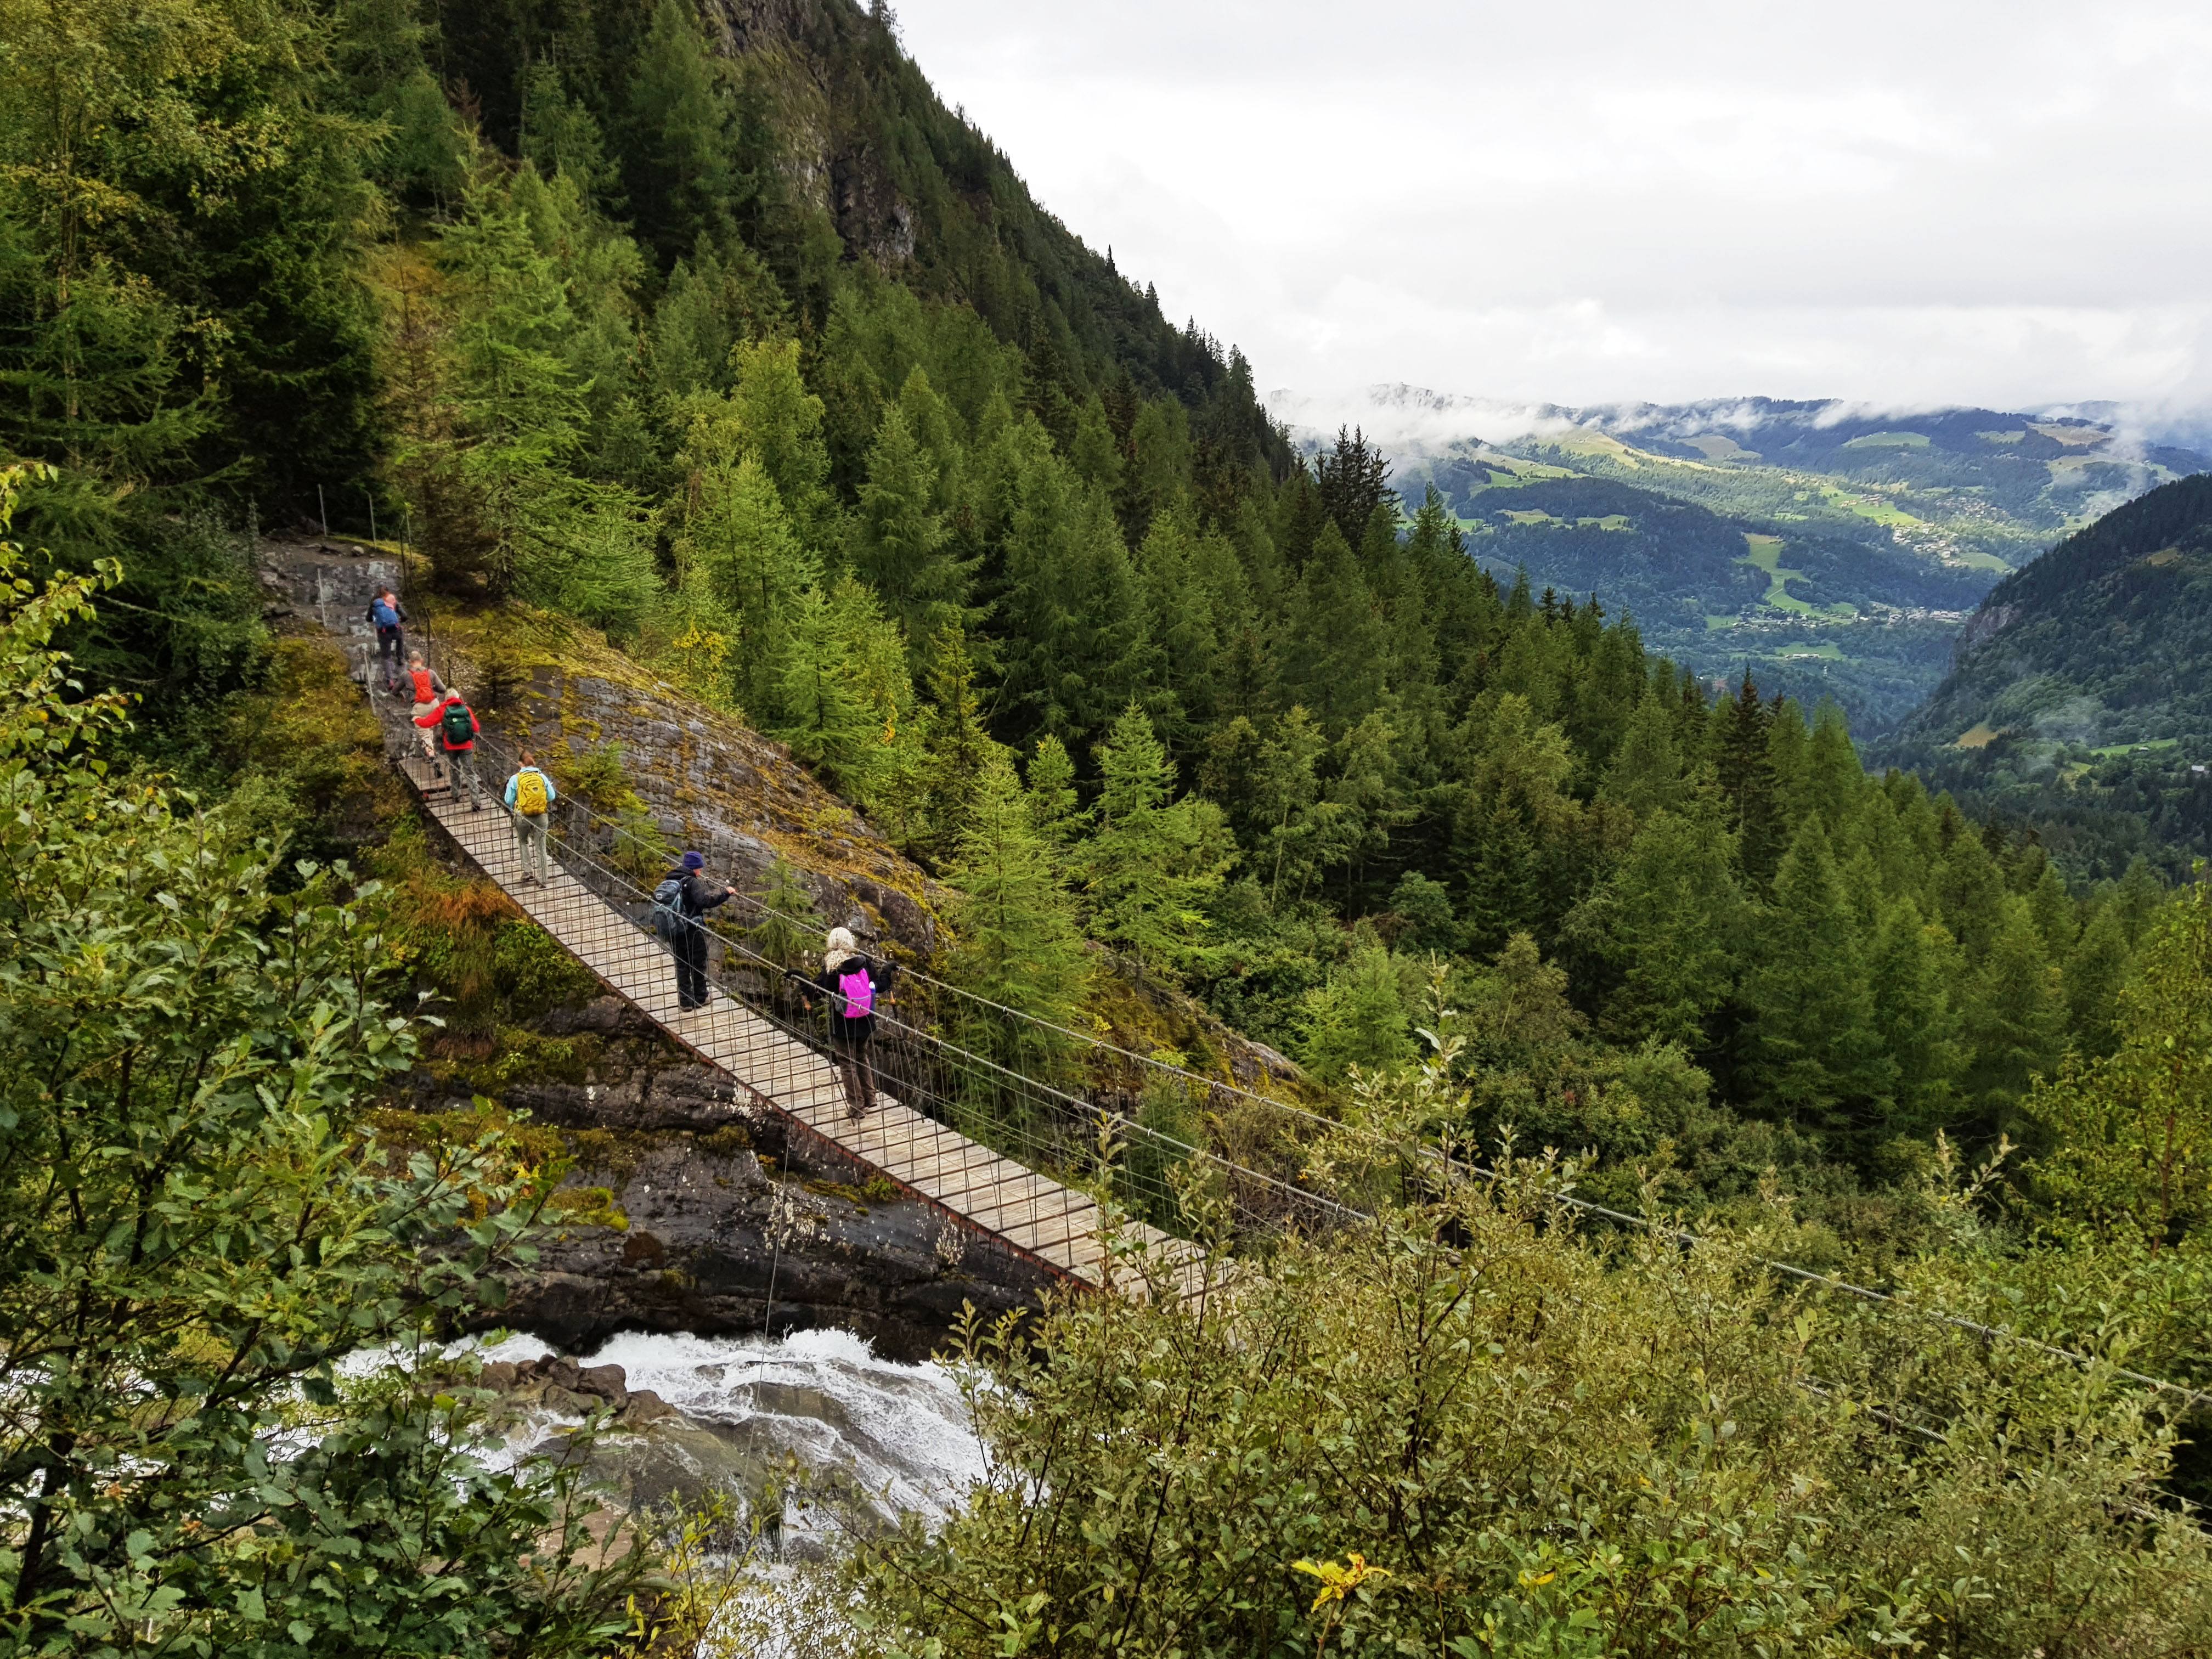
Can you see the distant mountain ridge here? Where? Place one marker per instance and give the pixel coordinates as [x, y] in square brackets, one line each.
[1413, 420]
[1834, 548]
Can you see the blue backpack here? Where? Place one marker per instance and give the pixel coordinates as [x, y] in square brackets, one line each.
[385, 615]
[668, 917]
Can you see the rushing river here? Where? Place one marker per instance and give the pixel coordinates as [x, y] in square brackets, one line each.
[898, 1436]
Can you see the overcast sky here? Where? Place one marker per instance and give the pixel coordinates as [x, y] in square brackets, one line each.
[1903, 203]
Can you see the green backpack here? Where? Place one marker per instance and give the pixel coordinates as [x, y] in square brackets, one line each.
[459, 725]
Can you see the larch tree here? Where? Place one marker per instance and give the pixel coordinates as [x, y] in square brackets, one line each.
[1816, 1055]
[1017, 942]
[1153, 860]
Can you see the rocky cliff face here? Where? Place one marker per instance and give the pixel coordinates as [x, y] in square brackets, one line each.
[687, 1210]
[1986, 624]
[813, 58]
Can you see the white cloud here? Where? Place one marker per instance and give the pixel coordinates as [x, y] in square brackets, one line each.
[1902, 203]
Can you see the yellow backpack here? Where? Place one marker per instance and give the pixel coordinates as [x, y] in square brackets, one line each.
[530, 791]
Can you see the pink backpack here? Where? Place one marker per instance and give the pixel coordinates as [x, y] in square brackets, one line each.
[856, 994]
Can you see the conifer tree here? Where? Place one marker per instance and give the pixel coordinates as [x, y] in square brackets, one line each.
[521, 412]
[561, 139]
[1914, 972]
[1339, 644]
[678, 146]
[1788, 744]
[1286, 788]
[1672, 921]
[1516, 843]
[711, 302]
[1356, 1017]
[1094, 455]
[2013, 1018]
[955, 748]
[781, 421]
[1013, 923]
[1074, 642]
[2057, 922]
[1966, 891]
[1835, 782]
[1159, 476]
[1645, 775]
[2093, 972]
[737, 543]
[1692, 719]
[904, 550]
[1055, 810]
[831, 702]
[1815, 1053]
[600, 269]
[1743, 760]
[1154, 860]
[497, 482]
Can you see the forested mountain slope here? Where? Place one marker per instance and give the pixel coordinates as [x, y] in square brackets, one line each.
[714, 332]
[696, 349]
[2080, 699]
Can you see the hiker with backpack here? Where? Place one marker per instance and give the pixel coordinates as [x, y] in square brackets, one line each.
[390, 621]
[429, 692]
[680, 904]
[855, 986]
[457, 728]
[530, 798]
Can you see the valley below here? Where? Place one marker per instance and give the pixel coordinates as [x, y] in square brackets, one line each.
[1831, 550]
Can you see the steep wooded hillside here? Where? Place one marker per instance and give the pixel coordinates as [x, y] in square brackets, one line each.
[2080, 699]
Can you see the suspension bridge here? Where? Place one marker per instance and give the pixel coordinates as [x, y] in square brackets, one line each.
[747, 1032]
[1031, 1194]
[1057, 1224]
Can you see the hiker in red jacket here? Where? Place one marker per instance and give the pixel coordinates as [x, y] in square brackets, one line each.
[456, 723]
[429, 692]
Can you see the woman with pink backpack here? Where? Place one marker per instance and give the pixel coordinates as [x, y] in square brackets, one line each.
[855, 986]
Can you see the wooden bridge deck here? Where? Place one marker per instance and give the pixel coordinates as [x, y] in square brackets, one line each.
[1056, 1225]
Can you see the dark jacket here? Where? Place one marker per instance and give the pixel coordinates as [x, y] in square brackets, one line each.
[860, 1027]
[697, 896]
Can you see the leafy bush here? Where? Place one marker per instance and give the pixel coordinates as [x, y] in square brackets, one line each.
[1554, 1445]
[199, 1227]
